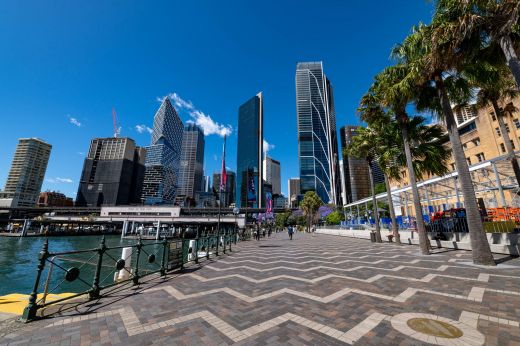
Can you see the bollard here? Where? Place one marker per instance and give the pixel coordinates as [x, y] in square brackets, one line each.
[124, 273]
[94, 293]
[29, 313]
[163, 262]
[138, 247]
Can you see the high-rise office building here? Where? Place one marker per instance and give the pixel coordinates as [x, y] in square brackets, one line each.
[272, 174]
[192, 162]
[206, 183]
[163, 157]
[249, 153]
[112, 174]
[317, 139]
[294, 191]
[355, 171]
[228, 195]
[25, 178]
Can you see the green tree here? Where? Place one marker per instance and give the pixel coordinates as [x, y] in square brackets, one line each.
[334, 218]
[281, 219]
[495, 83]
[310, 205]
[380, 188]
[431, 71]
[464, 27]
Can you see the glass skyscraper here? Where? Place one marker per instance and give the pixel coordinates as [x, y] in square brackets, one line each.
[163, 157]
[317, 138]
[249, 191]
[192, 162]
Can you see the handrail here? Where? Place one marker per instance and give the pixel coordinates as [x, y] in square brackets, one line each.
[150, 257]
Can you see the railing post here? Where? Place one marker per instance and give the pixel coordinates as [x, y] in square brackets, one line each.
[163, 262]
[139, 245]
[94, 293]
[224, 240]
[207, 246]
[196, 250]
[218, 241]
[231, 240]
[29, 313]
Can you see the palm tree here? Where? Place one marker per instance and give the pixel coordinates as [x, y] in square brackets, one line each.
[468, 25]
[494, 83]
[363, 146]
[310, 205]
[429, 156]
[431, 71]
[383, 95]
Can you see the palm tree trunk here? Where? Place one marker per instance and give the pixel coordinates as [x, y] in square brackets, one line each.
[395, 229]
[507, 141]
[511, 58]
[374, 203]
[421, 229]
[479, 244]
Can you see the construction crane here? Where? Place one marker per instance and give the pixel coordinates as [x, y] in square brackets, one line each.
[114, 119]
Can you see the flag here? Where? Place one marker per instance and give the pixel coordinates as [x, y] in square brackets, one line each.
[223, 173]
[269, 200]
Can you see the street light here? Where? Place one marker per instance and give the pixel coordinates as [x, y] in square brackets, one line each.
[235, 212]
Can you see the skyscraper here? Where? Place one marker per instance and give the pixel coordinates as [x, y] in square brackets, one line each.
[228, 195]
[192, 162]
[25, 178]
[112, 174]
[249, 153]
[272, 174]
[294, 191]
[317, 139]
[163, 157]
[355, 171]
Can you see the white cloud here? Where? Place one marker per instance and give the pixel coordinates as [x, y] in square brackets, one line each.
[206, 123]
[59, 180]
[267, 147]
[81, 153]
[143, 128]
[74, 121]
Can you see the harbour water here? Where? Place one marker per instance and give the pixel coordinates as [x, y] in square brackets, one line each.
[19, 261]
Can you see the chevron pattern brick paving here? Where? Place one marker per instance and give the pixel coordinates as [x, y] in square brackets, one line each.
[320, 290]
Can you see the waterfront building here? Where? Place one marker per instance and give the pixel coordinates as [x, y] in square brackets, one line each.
[54, 199]
[271, 169]
[228, 195]
[205, 199]
[112, 173]
[25, 178]
[483, 145]
[279, 202]
[294, 191]
[317, 139]
[192, 162]
[163, 157]
[249, 191]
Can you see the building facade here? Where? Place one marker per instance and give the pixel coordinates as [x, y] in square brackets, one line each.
[272, 173]
[54, 199]
[112, 173]
[294, 191]
[163, 157]
[355, 171]
[249, 191]
[229, 193]
[192, 162]
[26, 174]
[317, 139]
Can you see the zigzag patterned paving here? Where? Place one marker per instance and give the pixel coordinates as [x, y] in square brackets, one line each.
[321, 290]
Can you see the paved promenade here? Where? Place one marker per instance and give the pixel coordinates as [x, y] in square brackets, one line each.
[322, 290]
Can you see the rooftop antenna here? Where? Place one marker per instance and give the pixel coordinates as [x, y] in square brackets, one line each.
[114, 119]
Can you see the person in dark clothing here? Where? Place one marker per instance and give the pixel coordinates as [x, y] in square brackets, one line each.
[290, 231]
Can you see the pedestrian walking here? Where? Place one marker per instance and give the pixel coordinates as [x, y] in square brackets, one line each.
[290, 231]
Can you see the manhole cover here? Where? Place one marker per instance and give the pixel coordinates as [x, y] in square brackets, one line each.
[434, 328]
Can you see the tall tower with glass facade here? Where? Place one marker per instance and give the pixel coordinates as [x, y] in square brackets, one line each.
[163, 157]
[317, 138]
[25, 178]
[192, 162]
[249, 191]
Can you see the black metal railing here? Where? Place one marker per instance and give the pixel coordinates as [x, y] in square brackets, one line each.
[88, 272]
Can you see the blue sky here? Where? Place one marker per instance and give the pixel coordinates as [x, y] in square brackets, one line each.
[65, 64]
